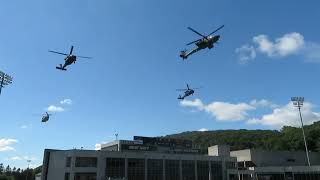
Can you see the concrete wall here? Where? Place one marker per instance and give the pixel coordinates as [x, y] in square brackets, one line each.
[276, 158]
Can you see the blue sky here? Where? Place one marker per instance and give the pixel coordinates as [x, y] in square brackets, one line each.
[267, 53]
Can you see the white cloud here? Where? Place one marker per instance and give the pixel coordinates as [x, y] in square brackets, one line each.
[286, 45]
[66, 101]
[288, 116]
[289, 44]
[246, 53]
[25, 126]
[98, 145]
[195, 103]
[203, 130]
[263, 103]
[284, 115]
[53, 108]
[20, 158]
[225, 111]
[15, 158]
[6, 144]
[222, 111]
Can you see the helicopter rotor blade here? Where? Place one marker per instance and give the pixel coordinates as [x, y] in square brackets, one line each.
[193, 42]
[181, 89]
[198, 87]
[71, 50]
[216, 30]
[197, 32]
[58, 53]
[84, 57]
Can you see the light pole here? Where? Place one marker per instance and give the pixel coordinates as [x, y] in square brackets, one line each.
[5, 79]
[298, 102]
[28, 169]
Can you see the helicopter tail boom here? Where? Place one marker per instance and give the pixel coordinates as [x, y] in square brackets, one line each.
[61, 68]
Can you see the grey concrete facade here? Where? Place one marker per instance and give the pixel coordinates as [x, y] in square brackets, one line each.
[54, 164]
[262, 158]
[279, 165]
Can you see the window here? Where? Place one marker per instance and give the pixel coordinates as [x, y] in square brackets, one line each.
[155, 169]
[188, 170]
[203, 170]
[172, 169]
[66, 176]
[216, 169]
[271, 176]
[85, 176]
[115, 168]
[136, 169]
[68, 162]
[86, 162]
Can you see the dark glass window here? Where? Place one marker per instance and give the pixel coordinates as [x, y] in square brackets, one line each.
[68, 162]
[272, 176]
[86, 162]
[188, 170]
[85, 176]
[136, 169]
[231, 165]
[115, 168]
[172, 169]
[216, 170]
[155, 169]
[203, 170]
[66, 176]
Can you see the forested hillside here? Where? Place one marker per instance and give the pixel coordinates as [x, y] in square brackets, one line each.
[288, 138]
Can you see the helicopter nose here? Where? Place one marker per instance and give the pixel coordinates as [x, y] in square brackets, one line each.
[218, 37]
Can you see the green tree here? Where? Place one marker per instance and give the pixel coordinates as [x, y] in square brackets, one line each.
[1, 168]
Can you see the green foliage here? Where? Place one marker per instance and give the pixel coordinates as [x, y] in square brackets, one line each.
[17, 174]
[288, 138]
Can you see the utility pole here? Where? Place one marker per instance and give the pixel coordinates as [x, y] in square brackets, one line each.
[298, 102]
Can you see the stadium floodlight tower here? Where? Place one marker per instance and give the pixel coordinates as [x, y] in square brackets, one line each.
[5, 79]
[28, 169]
[298, 102]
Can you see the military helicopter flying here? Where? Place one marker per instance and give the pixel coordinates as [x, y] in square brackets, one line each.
[45, 117]
[187, 92]
[202, 43]
[69, 59]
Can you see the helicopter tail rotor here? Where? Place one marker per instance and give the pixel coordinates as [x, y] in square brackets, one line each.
[183, 54]
[61, 68]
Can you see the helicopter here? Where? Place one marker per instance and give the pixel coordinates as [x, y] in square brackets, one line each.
[69, 59]
[187, 92]
[45, 117]
[202, 43]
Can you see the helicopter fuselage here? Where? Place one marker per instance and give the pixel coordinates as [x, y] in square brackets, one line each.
[202, 44]
[45, 118]
[69, 60]
[208, 42]
[187, 93]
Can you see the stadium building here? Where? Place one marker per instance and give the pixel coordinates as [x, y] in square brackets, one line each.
[142, 158]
